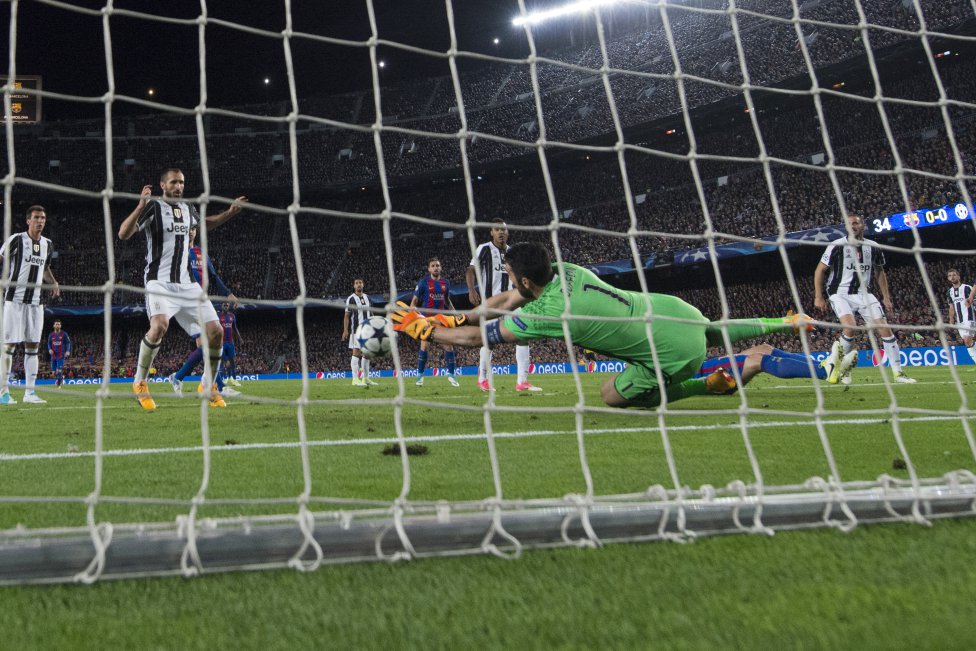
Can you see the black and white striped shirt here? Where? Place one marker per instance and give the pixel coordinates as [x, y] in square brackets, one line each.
[490, 260]
[358, 309]
[28, 260]
[167, 228]
[849, 264]
[957, 302]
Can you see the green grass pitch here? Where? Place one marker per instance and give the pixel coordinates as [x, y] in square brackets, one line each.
[881, 586]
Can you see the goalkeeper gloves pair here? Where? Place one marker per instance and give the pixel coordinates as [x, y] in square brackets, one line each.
[417, 326]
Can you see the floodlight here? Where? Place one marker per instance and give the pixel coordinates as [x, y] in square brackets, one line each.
[577, 7]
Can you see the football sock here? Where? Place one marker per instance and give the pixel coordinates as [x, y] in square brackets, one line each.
[215, 368]
[6, 363]
[451, 360]
[522, 363]
[147, 353]
[191, 363]
[740, 329]
[364, 364]
[891, 349]
[231, 367]
[847, 343]
[421, 362]
[354, 364]
[30, 368]
[692, 387]
[484, 363]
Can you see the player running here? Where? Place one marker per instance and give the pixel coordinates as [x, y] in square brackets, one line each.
[607, 320]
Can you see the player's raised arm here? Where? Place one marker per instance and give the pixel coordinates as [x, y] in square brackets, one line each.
[213, 221]
[131, 223]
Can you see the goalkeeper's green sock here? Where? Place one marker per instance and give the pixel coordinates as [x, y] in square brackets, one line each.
[688, 388]
[740, 329]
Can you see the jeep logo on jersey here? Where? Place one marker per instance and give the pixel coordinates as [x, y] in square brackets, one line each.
[179, 229]
[864, 268]
[35, 260]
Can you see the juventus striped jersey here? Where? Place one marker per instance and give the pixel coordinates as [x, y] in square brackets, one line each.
[358, 309]
[28, 259]
[849, 264]
[957, 303]
[167, 228]
[489, 259]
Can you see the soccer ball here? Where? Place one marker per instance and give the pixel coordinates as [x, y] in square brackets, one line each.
[374, 337]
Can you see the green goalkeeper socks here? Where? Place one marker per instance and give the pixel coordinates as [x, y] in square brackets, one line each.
[740, 329]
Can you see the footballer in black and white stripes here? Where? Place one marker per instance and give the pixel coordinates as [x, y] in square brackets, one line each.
[357, 311]
[171, 290]
[27, 257]
[961, 312]
[853, 266]
[489, 260]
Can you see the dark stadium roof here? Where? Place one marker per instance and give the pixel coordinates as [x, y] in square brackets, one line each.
[66, 47]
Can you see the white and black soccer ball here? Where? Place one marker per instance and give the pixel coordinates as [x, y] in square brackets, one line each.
[374, 337]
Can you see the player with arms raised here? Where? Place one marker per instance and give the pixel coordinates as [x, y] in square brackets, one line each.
[961, 309]
[28, 255]
[357, 311]
[848, 288]
[489, 259]
[171, 290]
[433, 293]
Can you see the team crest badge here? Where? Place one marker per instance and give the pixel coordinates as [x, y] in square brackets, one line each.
[16, 107]
[37, 247]
[178, 214]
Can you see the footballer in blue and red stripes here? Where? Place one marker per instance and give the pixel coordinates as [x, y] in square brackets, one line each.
[58, 347]
[433, 293]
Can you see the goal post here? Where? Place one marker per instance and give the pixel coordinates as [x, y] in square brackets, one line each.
[640, 80]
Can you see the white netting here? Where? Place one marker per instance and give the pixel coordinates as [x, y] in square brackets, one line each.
[669, 134]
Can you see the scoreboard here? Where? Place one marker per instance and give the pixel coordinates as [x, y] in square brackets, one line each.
[25, 107]
[922, 218]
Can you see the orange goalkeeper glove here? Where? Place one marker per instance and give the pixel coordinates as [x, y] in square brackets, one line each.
[411, 322]
[447, 321]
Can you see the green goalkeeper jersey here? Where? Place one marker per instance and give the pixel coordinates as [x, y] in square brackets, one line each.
[678, 343]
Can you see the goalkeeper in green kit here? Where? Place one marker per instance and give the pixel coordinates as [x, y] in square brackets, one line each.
[614, 322]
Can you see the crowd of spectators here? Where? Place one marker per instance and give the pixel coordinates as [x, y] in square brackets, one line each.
[665, 193]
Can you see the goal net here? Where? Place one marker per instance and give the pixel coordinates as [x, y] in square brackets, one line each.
[709, 149]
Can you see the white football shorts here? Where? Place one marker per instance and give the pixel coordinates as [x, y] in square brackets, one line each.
[182, 302]
[866, 305]
[22, 322]
[966, 328]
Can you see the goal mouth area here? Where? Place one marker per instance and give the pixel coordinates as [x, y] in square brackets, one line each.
[503, 529]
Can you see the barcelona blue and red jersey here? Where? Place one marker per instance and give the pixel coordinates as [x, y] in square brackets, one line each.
[228, 320]
[432, 294]
[196, 269]
[58, 343]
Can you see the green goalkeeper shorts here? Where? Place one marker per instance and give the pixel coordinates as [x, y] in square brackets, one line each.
[639, 384]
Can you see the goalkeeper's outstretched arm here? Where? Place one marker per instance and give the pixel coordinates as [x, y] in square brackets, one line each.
[496, 306]
[470, 336]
